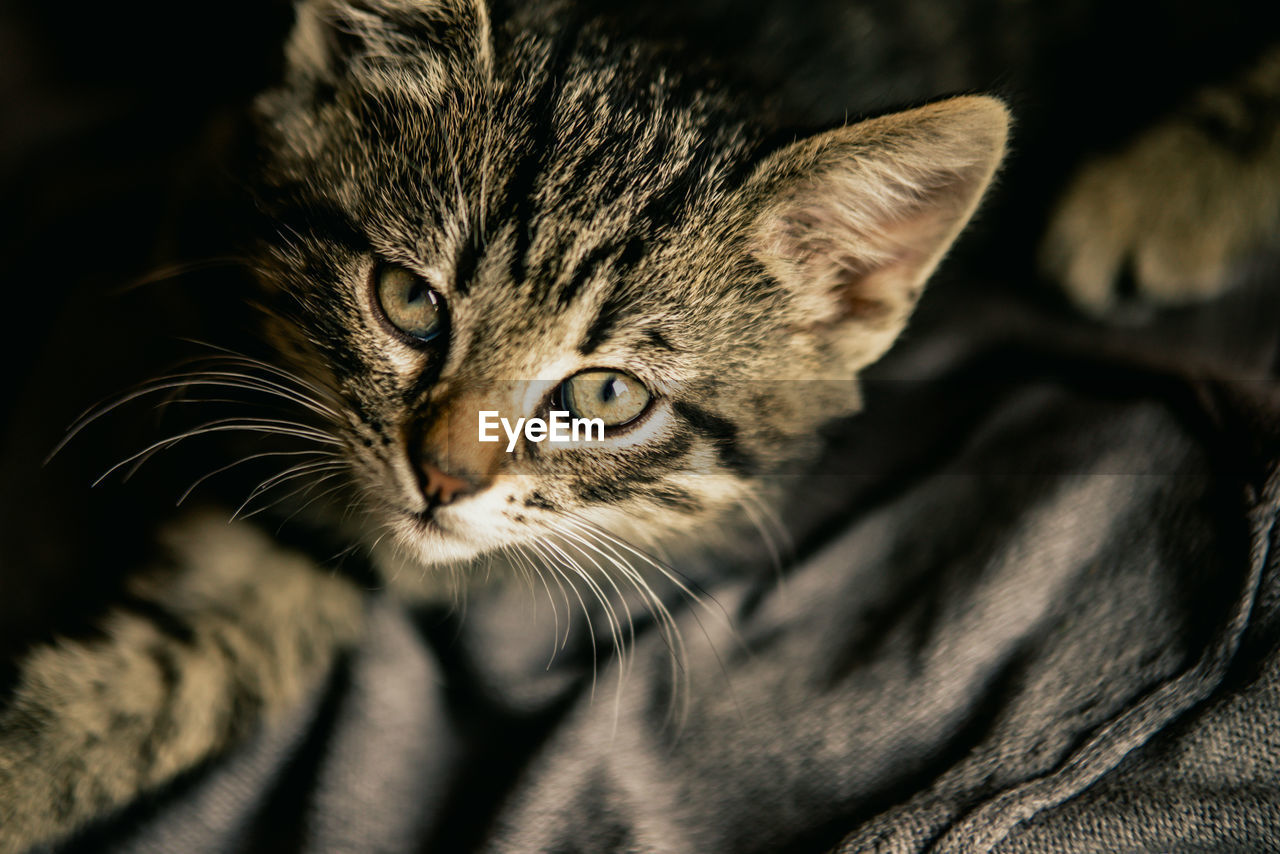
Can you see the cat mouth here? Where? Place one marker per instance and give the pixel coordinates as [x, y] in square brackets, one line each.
[428, 521]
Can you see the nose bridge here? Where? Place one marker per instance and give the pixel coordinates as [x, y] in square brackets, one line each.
[451, 438]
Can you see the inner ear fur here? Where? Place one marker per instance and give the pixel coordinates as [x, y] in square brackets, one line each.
[854, 220]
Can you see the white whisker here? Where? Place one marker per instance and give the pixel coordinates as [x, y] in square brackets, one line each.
[261, 425]
[615, 625]
[556, 645]
[537, 546]
[242, 461]
[306, 490]
[668, 629]
[292, 473]
[626, 651]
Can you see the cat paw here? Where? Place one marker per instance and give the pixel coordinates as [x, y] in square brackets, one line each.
[1166, 221]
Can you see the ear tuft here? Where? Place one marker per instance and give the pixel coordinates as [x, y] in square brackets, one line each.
[856, 219]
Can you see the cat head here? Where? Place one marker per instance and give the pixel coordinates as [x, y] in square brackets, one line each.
[526, 215]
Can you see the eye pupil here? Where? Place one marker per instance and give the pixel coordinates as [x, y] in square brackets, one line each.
[612, 389]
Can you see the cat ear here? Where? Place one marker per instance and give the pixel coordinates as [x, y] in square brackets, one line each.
[853, 221]
[328, 34]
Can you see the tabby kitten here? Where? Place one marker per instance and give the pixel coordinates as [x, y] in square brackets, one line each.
[513, 218]
[513, 214]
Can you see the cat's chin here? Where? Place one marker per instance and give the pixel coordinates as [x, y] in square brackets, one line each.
[416, 554]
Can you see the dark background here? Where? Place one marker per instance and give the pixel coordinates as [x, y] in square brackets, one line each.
[119, 156]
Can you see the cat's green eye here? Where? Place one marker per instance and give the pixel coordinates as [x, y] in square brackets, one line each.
[410, 304]
[612, 396]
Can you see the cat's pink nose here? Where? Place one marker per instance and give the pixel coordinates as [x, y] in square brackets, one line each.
[440, 488]
[450, 460]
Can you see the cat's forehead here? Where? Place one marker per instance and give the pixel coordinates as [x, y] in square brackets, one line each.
[550, 183]
[573, 142]
[558, 197]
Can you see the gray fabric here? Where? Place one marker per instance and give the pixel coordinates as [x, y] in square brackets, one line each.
[1032, 606]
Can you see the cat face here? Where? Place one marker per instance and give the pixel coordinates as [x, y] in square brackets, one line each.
[529, 215]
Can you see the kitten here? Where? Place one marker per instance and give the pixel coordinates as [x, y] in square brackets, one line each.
[513, 217]
[477, 210]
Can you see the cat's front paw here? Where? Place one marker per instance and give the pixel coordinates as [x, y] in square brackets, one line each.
[1166, 221]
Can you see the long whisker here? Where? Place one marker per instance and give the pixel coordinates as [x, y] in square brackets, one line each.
[670, 574]
[145, 456]
[523, 571]
[235, 356]
[564, 595]
[668, 628]
[538, 548]
[227, 358]
[595, 588]
[182, 381]
[774, 536]
[577, 542]
[254, 383]
[267, 426]
[518, 563]
[242, 461]
[238, 380]
[292, 473]
[626, 651]
[305, 488]
[718, 612]
[556, 644]
[305, 491]
[615, 626]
